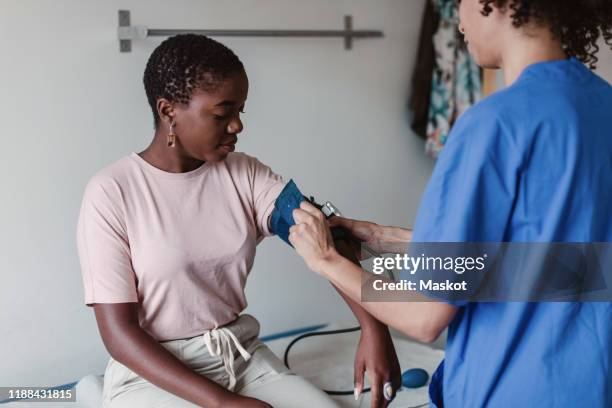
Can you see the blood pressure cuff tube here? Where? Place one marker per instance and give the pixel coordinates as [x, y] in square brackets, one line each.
[282, 216]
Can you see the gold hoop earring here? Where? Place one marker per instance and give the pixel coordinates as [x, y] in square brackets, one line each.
[171, 135]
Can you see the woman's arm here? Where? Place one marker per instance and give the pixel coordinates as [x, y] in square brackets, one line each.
[375, 353]
[366, 320]
[130, 345]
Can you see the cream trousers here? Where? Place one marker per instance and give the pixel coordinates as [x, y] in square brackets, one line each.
[231, 356]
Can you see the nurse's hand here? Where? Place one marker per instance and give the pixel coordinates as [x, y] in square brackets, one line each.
[311, 237]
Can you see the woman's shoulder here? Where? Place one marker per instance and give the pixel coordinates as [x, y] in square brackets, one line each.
[242, 162]
[108, 182]
[249, 170]
[241, 159]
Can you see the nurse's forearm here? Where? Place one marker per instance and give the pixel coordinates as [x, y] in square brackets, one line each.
[422, 319]
[393, 238]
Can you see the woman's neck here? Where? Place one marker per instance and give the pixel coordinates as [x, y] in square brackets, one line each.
[167, 158]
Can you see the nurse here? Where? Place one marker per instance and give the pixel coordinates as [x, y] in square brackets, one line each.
[531, 163]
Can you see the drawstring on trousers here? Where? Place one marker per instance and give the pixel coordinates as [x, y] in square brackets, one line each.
[224, 338]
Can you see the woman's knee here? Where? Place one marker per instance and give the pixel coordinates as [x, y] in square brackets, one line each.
[150, 396]
[290, 391]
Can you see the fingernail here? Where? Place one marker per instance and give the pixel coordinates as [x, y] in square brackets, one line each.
[357, 393]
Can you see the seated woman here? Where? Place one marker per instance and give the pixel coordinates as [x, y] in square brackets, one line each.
[167, 238]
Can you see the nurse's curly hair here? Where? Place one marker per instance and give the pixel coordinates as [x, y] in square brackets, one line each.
[184, 63]
[578, 24]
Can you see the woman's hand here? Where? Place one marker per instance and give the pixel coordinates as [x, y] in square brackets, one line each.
[376, 356]
[311, 237]
[379, 238]
[362, 232]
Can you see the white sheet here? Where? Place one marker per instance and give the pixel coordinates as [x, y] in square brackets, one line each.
[327, 361]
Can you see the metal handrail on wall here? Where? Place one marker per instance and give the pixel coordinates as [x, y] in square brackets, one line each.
[127, 32]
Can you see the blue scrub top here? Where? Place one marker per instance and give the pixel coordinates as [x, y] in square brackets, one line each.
[531, 163]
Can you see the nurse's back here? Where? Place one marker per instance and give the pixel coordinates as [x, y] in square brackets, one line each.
[548, 143]
[562, 116]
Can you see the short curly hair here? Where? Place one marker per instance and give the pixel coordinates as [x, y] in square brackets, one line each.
[578, 24]
[184, 63]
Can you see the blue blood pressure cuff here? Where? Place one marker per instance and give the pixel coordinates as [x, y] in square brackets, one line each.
[282, 216]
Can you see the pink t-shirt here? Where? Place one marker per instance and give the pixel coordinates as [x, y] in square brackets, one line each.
[179, 244]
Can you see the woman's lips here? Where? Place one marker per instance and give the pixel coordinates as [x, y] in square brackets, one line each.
[230, 147]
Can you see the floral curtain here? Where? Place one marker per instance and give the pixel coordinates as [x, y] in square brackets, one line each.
[456, 80]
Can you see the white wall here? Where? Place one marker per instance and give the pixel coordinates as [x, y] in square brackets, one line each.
[333, 120]
[604, 65]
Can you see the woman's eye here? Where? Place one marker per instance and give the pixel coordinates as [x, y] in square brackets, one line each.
[225, 117]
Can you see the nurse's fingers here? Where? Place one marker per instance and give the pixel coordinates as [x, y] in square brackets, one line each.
[306, 215]
[312, 210]
[303, 217]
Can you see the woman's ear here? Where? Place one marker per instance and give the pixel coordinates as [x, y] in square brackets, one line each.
[165, 110]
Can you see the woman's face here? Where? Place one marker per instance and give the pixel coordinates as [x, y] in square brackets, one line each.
[207, 127]
[483, 34]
